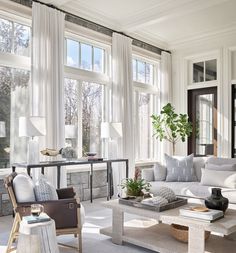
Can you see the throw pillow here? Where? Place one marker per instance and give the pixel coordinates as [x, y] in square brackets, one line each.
[219, 178]
[166, 193]
[222, 167]
[159, 172]
[24, 188]
[44, 190]
[180, 170]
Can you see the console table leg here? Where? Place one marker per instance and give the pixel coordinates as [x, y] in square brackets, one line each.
[117, 226]
[196, 240]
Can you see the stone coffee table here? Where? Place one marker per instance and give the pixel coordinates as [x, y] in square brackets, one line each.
[154, 233]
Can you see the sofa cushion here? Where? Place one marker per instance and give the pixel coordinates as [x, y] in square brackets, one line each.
[148, 174]
[160, 172]
[198, 164]
[180, 170]
[44, 190]
[24, 188]
[192, 190]
[222, 167]
[219, 178]
[220, 161]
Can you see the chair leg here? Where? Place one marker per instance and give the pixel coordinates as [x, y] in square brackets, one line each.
[14, 229]
[80, 241]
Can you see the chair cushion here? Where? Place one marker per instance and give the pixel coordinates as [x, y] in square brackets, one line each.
[44, 190]
[24, 188]
[180, 170]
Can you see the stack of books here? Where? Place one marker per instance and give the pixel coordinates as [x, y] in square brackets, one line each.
[208, 216]
[36, 219]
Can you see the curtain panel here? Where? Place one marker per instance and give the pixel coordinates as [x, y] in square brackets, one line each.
[47, 86]
[122, 101]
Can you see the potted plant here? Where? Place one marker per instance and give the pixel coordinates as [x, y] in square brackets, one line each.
[135, 187]
[171, 126]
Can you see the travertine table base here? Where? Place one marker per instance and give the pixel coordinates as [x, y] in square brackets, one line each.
[37, 238]
[155, 234]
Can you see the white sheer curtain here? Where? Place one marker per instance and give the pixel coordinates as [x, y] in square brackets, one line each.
[47, 88]
[122, 101]
[165, 94]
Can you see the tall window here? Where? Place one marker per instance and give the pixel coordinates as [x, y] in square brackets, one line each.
[85, 94]
[15, 40]
[145, 77]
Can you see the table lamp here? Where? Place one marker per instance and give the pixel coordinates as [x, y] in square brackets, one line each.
[31, 127]
[2, 129]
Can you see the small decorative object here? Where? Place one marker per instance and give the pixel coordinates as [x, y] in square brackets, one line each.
[49, 152]
[217, 201]
[200, 209]
[68, 153]
[36, 209]
[171, 126]
[166, 193]
[135, 187]
[90, 154]
[181, 233]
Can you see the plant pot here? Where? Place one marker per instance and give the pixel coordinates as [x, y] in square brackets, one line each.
[132, 193]
[217, 201]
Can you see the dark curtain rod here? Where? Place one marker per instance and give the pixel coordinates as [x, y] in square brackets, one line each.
[94, 26]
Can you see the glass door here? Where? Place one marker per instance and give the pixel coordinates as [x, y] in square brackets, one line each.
[202, 110]
[233, 149]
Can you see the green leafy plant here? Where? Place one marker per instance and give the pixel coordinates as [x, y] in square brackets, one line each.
[134, 187]
[171, 126]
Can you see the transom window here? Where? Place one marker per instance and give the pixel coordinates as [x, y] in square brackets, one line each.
[143, 72]
[84, 56]
[14, 37]
[205, 71]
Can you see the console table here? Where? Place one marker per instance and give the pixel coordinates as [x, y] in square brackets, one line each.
[59, 164]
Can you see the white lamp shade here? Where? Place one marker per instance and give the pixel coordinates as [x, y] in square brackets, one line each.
[70, 131]
[2, 129]
[111, 130]
[32, 126]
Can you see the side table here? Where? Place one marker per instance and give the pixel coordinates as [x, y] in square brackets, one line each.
[37, 238]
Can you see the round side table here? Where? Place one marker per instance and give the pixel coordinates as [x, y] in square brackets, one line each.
[37, 238]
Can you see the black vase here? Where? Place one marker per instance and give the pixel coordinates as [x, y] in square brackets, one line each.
[216, 200]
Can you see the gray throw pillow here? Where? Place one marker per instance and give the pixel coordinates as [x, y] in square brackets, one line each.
[222, 167]
[180, 170]
[159, 172]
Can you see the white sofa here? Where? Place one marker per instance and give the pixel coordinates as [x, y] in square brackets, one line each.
[193, 190]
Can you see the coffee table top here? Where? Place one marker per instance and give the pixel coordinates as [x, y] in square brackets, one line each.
[226, 225]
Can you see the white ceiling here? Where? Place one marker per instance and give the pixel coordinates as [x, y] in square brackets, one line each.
[164, 23]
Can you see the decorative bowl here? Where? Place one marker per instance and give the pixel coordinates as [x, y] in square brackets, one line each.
[49, 152]
[90, 153]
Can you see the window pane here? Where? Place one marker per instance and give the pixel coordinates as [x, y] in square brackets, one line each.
[144, 113]
[211, 72]
[5, 35]
[72, 56]
[198, 72]
[141, 72]
[98, 59]
[91, 116]
[86, 56]
[149, 73]
[134, 69]
[13, 104]
[21, 39]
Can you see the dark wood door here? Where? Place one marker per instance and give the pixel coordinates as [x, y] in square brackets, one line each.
[202, 111]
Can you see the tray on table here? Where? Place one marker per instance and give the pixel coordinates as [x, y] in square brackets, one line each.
[130, 201]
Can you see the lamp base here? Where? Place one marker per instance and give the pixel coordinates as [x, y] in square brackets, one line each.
[33, 152]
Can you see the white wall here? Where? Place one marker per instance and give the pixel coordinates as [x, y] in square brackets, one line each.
[224, 49]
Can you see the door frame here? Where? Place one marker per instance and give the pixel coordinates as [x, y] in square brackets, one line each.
[192, 94]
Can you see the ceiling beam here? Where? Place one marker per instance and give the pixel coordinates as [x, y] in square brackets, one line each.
[171, 11]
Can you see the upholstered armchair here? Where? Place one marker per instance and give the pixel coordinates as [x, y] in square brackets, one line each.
[66, 212]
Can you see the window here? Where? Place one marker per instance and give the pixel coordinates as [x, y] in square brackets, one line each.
[143, 72]
[84, 110]
[146, 99]
[13, 104]
[205, 71]
[84, 56]
[14, 38]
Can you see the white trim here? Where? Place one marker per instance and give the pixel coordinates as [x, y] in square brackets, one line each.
[201, 85]
[15, 61]
[86, 75]
[147, 88]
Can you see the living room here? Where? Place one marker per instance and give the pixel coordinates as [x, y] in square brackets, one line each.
[100, 96]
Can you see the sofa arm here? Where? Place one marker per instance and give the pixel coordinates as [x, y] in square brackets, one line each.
[66, 193]
[147, 174]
